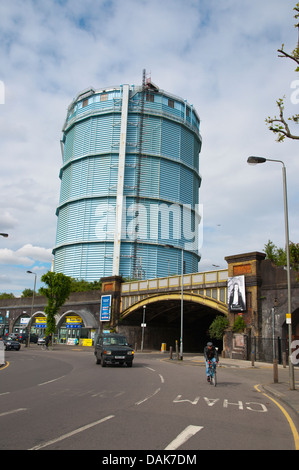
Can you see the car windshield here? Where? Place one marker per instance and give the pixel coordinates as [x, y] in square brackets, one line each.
[112, 340]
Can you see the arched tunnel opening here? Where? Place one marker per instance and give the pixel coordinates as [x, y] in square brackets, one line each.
[163, 325]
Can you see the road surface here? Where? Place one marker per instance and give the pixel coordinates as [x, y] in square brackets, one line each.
[62, 400]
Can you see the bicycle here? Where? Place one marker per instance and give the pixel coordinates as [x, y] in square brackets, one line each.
[212, 373]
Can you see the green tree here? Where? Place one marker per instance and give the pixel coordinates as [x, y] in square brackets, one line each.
[279, 257]
[279, 124]
[83, 286]
[4, 295]
[218, 327]
[239, 325]
[27, 293]
[57, 291]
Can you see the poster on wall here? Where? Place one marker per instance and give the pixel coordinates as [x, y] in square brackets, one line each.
[236, 298]
[105, 308]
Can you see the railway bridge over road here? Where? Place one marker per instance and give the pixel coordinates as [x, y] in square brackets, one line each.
[158, 301]
[204, 294]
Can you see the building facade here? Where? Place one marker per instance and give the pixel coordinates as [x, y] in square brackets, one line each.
[129, 185]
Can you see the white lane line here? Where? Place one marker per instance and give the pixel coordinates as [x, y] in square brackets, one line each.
[161, 378]
[13, 411]
[50, 381]
[147, 398]
[183, 437]
[70, 434]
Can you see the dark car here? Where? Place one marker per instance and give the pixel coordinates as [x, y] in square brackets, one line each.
[10, 343]
[24, 336]
[112, 348]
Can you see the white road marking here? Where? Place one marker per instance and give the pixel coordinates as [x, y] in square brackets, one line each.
[13, 411]
[178, 400]
[183, 437]
[50, 381]
[70, 434]
[147, 398]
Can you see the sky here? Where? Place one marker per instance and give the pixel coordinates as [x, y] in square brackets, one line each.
[220, 56]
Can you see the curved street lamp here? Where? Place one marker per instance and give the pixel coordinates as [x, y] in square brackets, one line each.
[253, 160]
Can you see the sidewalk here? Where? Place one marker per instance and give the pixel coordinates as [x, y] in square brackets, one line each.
[281, 390]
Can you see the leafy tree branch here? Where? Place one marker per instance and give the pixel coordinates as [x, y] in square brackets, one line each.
[279, 124]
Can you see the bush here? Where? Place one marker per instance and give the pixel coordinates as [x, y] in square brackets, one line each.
[218, 327]
[239, 325]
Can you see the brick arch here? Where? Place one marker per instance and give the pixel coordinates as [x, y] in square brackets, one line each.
[196, 298]
[89, 320]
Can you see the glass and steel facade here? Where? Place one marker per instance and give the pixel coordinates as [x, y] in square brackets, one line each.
[129, 185]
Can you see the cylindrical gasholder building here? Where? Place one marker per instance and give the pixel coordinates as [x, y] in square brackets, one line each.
[129, 185]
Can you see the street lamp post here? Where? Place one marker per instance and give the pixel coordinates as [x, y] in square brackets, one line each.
[182, 300]
[182, 307]
[253, 160]
[143, 326]
[29, 325]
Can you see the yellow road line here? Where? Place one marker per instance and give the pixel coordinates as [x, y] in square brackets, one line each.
[4, 367]
[289, 419]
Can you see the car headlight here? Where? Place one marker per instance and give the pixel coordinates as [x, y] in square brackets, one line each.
[130, 353]
[108, 353]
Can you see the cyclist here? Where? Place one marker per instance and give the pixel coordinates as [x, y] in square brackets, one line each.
[48, 340]
[211, 355]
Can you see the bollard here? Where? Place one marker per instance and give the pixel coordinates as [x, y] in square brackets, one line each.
[284, 360]
[275, 371]
[252, 359]
[170, 352]
[177, 349]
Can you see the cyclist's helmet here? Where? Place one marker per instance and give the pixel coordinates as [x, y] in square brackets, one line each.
[209, 344]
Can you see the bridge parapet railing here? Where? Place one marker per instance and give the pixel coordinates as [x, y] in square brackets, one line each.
[193, 281]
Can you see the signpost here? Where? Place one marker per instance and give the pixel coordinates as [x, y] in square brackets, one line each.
[105, 308]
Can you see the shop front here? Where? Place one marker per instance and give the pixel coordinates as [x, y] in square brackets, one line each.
[70, 330]
[37, 324]
[4, 324]
[75, 328]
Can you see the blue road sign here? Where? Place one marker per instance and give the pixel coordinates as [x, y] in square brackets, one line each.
[105, 308]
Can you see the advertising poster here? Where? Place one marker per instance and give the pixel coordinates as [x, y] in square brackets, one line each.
[105, 308]
[236, 297]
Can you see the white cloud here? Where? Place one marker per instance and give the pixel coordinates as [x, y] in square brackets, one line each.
[12, 257]
[36, 252]
[26, 255]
